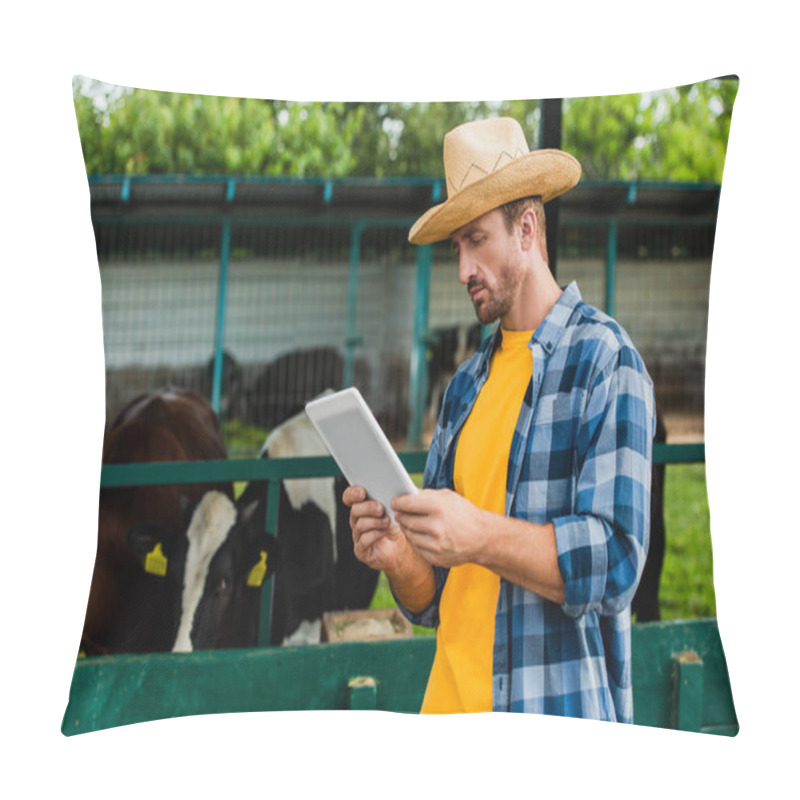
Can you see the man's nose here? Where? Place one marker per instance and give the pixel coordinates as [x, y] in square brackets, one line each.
[466, 268]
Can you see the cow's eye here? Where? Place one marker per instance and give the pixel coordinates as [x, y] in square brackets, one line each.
[222, 586]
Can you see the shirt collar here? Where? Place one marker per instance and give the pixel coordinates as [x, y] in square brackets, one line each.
[552, 328]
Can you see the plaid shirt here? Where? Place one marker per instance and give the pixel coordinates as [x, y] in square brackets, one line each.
[580, 458]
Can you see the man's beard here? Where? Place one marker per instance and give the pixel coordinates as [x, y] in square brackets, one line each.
[496, 304]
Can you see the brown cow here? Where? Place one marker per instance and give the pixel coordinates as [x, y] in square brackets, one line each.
[168, 425]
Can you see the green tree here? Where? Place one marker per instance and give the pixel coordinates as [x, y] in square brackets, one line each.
[607, 134]
[677, 134]
[690, 135]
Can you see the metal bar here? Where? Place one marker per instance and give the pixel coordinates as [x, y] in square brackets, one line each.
[693, 453]
[611, 267]
[436, 184]
[245, 219]
[222, 293]
[550, 137]
[113, 476]
[268, 588]
[418, 388]
[262, 180]
[352, 340]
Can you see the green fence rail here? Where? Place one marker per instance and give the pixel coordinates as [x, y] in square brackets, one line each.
[277, 469]
[273, 471]
[680, 681]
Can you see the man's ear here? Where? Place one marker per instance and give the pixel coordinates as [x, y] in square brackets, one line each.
[527, 229]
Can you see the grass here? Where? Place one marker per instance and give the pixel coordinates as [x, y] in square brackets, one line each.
[687, 586]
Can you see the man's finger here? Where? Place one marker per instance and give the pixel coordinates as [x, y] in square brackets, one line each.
[353, 495]
[420, 503]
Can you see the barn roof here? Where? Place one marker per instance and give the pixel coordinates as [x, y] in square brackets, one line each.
[390, 197]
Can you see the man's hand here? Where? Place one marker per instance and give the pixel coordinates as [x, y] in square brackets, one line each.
[447, 530]
[376, 541]
[444, 528]
[381, 545]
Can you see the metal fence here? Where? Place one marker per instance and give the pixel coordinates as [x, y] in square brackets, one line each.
[261, 308]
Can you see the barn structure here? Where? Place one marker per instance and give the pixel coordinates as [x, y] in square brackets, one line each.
[240, 287]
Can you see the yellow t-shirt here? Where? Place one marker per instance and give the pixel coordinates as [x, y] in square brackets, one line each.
[461, 676]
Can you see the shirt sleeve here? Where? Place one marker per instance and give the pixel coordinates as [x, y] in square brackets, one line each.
[429, 617]
[602, 545]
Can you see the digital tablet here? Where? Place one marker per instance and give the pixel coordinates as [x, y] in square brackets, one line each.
[355, 440]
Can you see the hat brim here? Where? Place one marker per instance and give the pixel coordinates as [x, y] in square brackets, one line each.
[548, 173]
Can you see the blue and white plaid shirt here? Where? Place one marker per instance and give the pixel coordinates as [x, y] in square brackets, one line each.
[580, 458]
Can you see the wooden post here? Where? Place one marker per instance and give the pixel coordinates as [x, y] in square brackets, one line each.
[362, 694]
[687, 692]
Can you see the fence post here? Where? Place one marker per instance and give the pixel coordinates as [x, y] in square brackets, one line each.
[611, 267]
[687, 692]
[222, 293]
[352, 339]
[418, 380]
[265, 617]
[362, 693]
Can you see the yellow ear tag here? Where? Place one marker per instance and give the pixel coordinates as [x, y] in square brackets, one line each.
[155, 561]
[256, 576]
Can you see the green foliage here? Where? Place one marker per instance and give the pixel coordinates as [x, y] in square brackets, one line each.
[678, 151]
[676, 134]
[145, 132]
[606, 134]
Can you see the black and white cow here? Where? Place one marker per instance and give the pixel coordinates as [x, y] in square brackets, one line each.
[318, 570]
[208, 580]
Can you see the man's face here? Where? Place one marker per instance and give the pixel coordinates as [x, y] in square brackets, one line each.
[489, 265]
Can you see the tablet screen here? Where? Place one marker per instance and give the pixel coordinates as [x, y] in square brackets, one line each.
[359, 446]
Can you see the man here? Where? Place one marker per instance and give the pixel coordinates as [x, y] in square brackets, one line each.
[526, 546]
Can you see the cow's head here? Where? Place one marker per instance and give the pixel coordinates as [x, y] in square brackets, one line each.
[211, 578]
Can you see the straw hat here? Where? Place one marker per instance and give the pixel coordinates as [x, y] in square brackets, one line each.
[486, 164]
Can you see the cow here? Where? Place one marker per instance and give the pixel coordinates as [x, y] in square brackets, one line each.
[136, 600]
[446, 349]
[283, 386]
[210, 578]
[318, 570]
